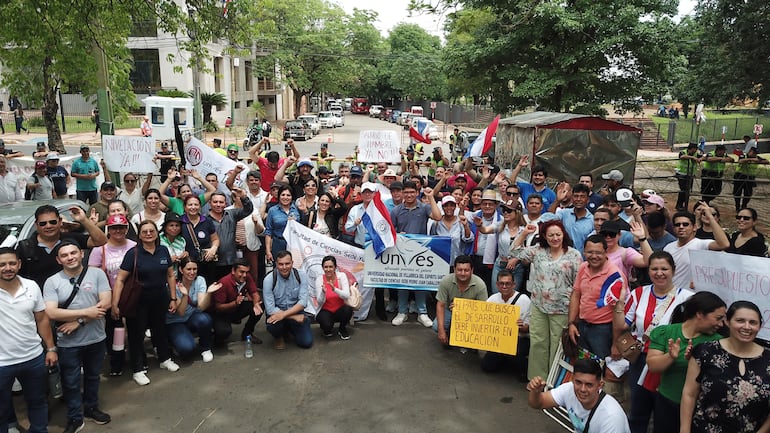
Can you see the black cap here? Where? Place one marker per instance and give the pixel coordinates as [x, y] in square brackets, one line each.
[107, 185]
[614, 226]
[171, 217]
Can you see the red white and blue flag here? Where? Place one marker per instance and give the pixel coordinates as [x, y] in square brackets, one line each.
[416, 136]
[610, 293]
[483, 142]
[376, 219]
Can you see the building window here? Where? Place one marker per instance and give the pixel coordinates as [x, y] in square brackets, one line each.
[249, 76]
[157, 116]
[145, 75]
[180, 116]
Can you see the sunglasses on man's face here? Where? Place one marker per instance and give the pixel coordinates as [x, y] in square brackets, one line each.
[49, 222]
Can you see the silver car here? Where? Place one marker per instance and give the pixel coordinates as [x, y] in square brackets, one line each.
[312, 120]
[17, 220]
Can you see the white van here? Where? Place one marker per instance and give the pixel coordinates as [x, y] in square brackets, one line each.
[416, 109]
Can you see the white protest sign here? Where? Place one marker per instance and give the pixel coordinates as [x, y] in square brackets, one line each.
[129, 153]
[206, 160]
[734, 277]
[379, 146]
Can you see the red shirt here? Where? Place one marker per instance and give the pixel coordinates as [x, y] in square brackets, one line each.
[268, 174]
[333, 301]
[229, 291]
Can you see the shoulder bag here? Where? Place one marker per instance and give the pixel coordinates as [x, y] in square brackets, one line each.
[132, 291]
[75, 288]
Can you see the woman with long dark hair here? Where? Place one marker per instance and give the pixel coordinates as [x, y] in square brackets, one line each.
[747, 240]
[334, 286]
[275, 222]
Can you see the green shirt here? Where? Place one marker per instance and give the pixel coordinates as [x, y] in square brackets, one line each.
[672, 380]
[176, 204]
[448, 290]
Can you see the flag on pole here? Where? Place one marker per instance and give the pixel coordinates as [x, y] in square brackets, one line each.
[483, 142]
[610, 292]
[416, 136]
[179, 145]
[377, 221]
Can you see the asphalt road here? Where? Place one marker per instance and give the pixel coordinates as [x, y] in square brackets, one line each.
[384, 379]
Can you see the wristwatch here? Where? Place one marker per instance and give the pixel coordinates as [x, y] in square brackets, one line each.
[51, 349]
[81, 321]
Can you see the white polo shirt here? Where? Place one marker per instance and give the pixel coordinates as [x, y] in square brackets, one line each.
[19, 340]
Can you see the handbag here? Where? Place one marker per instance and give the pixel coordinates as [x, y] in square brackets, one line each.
[132, 292]
[628, 346]
[354, 300]
[201, 252]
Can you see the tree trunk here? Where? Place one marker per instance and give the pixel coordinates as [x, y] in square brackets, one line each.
[476, 99]
[51, 108]
[206, 113]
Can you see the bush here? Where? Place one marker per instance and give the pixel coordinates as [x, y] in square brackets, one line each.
[211, 126]
[36, 122]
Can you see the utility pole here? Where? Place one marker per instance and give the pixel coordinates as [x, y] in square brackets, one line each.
[104, 100]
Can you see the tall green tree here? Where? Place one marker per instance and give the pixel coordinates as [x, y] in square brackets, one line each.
[49, 45]
[569, 55]
[366, 51]
[413, 69]
[463, 79]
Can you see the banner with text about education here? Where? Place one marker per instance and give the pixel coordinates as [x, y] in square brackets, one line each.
[734, 277]
[485, 326]
[416, 262]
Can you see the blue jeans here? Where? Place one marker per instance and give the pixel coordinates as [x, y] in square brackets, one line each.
[300, 331]
[596, 338]
[182, 335]
[33, 377]
[447, 321]
[91, 358]
[419, 300]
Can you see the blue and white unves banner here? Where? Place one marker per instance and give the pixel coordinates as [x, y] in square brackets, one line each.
[417, 262]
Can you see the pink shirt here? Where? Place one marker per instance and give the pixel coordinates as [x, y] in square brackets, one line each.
[590, 286]
[268, 174]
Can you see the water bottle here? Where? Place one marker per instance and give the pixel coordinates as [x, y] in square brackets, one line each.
[119, 337]
[249, 352]
[54, 382]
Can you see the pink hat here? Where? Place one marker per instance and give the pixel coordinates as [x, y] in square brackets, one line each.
[655, 199]
[448, 199]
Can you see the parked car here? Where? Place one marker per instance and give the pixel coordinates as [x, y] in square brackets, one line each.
[297, 130]
[348, 102]
[335, 107]
[402, 117]
[394, 116]
[327, 119]
[339, 116]
[407, 122]
[17, 219]
[374, 110]
[313, 121]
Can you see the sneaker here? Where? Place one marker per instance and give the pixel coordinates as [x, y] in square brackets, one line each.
[74, 426]
[147, 333]
[329, 334]
[392, 306]
[425, 320]
[207, 356]
[412, 307]
[279, 343]
[169, 365]
[141, 378]
[13, 428]
[343, 333]
[97, 416]
[16, 386]
[399, 319]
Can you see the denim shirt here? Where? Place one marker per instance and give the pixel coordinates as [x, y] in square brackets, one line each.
[287, 292]
[277, 218]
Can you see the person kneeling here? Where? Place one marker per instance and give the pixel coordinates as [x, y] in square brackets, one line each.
[286, 295]
[335, 289]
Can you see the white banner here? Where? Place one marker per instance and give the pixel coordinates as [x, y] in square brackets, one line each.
[24, 166]
[379, 146]
[308, 248]
[205, 160]
[129, 153]
[734, 278]
[417, 262]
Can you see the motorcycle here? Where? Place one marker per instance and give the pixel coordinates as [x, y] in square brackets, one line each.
[253, 136]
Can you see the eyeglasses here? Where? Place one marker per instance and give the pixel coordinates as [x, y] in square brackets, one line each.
[681, 224]
[608, 235]
[129, 180]
[232, 151]
[742, 217]
[49, 222]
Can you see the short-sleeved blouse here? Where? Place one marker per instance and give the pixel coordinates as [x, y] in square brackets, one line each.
[550, 281]
[728, 401]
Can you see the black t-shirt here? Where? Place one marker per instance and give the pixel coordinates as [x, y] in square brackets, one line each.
[37, 264]
[152, 270]
[166, 164]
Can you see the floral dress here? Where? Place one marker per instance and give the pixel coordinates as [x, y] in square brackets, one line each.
[729, 401]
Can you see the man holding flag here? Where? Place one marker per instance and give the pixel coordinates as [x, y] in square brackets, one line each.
[597, 287]
[412, 216]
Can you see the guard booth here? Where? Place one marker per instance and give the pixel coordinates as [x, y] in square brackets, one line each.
[568, 145]
[162, 112]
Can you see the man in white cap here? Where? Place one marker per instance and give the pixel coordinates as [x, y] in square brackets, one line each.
[614, 182]
[353, 224]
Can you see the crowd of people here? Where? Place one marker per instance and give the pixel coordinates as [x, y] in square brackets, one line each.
[183, 261]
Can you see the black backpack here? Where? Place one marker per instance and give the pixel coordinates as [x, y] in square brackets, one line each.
[29, 194]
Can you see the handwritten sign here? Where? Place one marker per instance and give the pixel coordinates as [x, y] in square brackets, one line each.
[379, 146]
[734, 277]
[485, 326]
[129, 153]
